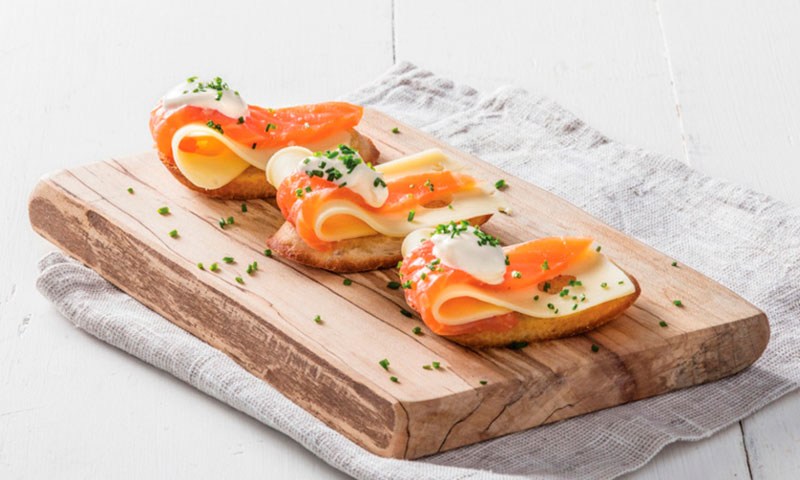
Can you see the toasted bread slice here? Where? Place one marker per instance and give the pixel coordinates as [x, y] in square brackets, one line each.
[346, 256]
[531, 329]
[252, 183]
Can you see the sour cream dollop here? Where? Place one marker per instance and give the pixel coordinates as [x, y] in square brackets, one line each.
[345, 167]
[469, 250]
[214, 94]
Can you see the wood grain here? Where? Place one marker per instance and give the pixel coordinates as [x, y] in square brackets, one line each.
[331, 369]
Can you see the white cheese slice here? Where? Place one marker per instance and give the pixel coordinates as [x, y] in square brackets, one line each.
[459, 304]
[230, 158]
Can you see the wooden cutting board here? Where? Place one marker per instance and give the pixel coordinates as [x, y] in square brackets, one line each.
[331, 368]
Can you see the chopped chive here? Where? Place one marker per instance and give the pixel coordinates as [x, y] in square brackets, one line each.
[255, 266]
[406, 284]
[130, 190]
[393, 285]
[347, 282]
[163, 210]
[595, 348]
[436, 365]
[385, 364]
[483, 382]
[450, 206]
[221, 223]
[620, 282]
[563, 293]
[308, 188]
[230, 221]
[268, 252]
[200, 266]
[213, 267]
[254, 146]
[244, 207]
[416, 331]
[395, 130]
[240, 120]
[536, 298]
[249, 269]
[394, 379]
[239, 279]
[550, 306]
[555, 312]
[426, 367]
[598, 248]
[545, 266]
[406, 313]
[603, 285]
[575, 307]
[677, 303]
[400, 264]
[546, 286]
[173, 234]
[411, 215]
[516, 274]
[662, 323]
[299, 193]
[227, 259]
[508, 262]
[674, 264]
[500, 184]
[270, 127]
[517, 345]
[318, 319]
[191, 79]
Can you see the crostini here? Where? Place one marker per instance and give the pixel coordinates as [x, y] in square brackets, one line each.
[469, 289]
[213, 142]
[344, 215]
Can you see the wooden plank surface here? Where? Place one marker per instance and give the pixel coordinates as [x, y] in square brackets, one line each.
[47, 425]
[332, 369]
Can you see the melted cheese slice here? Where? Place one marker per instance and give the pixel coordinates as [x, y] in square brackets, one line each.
[342, 219]
[458, 304]
[217, 159]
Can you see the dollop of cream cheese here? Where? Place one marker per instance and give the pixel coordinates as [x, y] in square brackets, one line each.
[467, 251]
[213, 94]
[345, 167]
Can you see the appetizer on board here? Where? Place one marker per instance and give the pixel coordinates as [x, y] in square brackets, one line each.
[213, 142]
[468, 288]
[344, 215]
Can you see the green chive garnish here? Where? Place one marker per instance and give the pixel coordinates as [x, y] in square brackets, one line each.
[411, 215]
[483, 382]
[674, 264]
[221, 223]
[436, 365]
[318, 319]
[395, 130]
[347, 282]
[662, 323]
[406, 284]
[516, 274]
[394, 379]
[416, 331]
[595, 348]
[406, 313]
[163, 210]
[173, 234]
[200, 266]
[517, 345]
[230, 220]
[508, 262]
[130, 190]
[604, 285]
[677, 303]
[598, 248]
[545, 266]
[244, 207]
[500, 184]
[240, 121]
[536, 298]
[227, 259]
[268, 252]
[393, 285]
[385, 364]
[239, 279]
[213, 267]
[426, 367]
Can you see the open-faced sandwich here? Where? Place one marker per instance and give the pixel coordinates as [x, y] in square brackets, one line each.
[213, 142]
[344, 215]
[468, 288]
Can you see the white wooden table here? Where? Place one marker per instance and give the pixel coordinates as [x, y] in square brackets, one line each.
[712, 83]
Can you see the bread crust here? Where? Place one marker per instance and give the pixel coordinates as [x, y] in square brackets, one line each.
[533, 329]
[252, 183]
[347, 256]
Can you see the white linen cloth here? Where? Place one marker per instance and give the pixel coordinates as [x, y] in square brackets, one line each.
[745, 240]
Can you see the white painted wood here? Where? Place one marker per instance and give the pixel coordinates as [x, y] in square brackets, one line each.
[736, 71]
[603, 60]
[772, 437]
[720, 457]
[70, 406]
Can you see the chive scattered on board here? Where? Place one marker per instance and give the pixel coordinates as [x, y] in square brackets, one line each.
[163, 210]
[317, 319]
[677, 303]
[394, 379]
[385, 364]
[244, 207]
[595, 348]
[393, 285]
[416, 331]
[347, 282]
[483, 382]
[130, 190]
[268, 252]
[239, 279]
[214, 267]
[663, 323]
[406, 312]
[500, 184]
[227, 259]
[395, 130]
[173, 234]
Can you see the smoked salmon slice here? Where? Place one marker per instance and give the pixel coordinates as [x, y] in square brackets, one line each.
[260, 128]
[536, 261]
